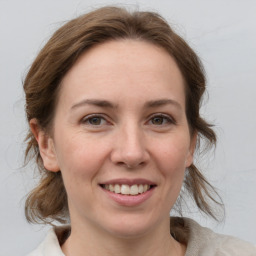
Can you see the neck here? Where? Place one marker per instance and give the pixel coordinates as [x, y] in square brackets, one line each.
[93, 242]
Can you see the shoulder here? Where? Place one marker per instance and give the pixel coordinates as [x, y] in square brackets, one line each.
[204, 242]
[50, 245]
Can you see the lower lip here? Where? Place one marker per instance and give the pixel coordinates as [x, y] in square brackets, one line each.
[127, 200]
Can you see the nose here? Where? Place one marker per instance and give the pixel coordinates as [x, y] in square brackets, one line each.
[129, 148]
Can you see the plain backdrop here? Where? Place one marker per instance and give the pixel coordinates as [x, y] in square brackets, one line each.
[222, 32]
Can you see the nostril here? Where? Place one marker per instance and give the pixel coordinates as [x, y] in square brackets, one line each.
[131, 165]
[129, 158]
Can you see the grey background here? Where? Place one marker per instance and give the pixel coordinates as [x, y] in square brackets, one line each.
[223, 32]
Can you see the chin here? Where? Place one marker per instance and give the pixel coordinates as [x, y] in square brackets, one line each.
[129, 227]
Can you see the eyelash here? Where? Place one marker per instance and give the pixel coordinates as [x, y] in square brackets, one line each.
[86, 120]
[168, 120]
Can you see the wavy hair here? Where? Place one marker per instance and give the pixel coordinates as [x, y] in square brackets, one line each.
[47, 202]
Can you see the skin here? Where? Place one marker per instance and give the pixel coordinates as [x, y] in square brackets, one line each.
[139, 131]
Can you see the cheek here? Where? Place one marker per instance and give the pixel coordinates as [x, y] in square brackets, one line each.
[79, 157]
[171, 160]
[173, 156]
[78, 167]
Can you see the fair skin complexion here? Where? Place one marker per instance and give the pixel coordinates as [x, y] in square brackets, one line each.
[120, 120]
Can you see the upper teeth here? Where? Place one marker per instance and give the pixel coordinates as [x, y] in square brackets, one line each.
[126, 189]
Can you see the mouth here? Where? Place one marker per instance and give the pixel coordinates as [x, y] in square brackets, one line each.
[125, 189]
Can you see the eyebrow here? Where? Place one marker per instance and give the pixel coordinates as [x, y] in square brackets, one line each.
[95, 102]
[108, 104]
[162, 102]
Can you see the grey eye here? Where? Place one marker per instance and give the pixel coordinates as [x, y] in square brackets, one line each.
[95, 120]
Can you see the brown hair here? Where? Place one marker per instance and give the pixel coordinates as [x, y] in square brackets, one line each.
[48, 201]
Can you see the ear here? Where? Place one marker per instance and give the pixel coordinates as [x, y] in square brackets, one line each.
[46, 146]
[192, 147]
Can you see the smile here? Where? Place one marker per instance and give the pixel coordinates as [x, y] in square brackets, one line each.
[125, 189]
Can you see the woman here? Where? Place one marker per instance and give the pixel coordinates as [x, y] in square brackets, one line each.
[113, 105]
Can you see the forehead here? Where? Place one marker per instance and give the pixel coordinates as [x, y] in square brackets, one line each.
[123, 67]
[124, 52]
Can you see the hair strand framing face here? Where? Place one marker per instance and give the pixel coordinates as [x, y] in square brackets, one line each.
[43, 82]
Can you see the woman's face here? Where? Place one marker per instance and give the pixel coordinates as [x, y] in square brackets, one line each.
[121, 138]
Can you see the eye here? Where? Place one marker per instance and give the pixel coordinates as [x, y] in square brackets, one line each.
[94, 120]
[161, 120]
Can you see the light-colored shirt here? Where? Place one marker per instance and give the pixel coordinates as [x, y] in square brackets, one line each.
[201, 242]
